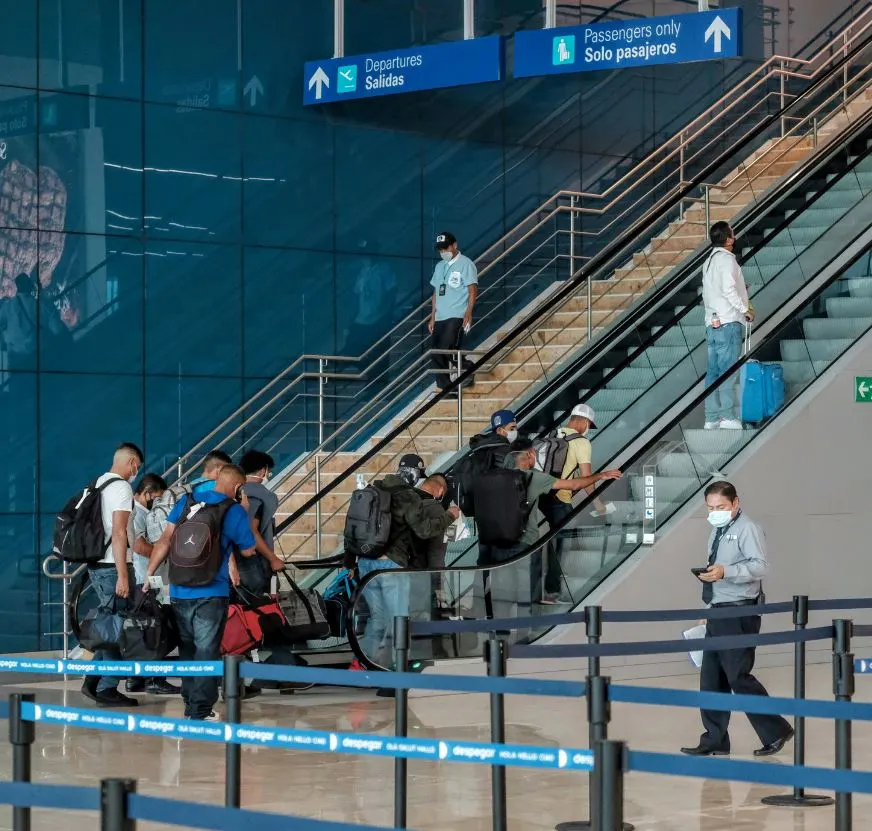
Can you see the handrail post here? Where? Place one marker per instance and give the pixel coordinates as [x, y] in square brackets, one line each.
[782, 96]
[706, 195]
[799, 798]
[589, 308]
[322, 368]
[572, 202]
[680, 159]
[22, 735]
[114, 809]
[468, 19]
[843, 689]
[550, 14]
[459, 401]
[845, 70]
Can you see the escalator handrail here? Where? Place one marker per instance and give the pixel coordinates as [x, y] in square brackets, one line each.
[863, 238]
[600, 260]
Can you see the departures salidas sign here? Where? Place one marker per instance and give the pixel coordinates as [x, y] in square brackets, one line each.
[453, 64]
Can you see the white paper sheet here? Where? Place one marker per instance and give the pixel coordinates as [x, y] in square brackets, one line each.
[691, 634]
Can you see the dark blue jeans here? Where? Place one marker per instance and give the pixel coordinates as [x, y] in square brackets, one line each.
[104, 581]
[201, 626]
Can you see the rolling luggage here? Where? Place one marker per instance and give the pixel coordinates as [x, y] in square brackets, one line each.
[761, 387]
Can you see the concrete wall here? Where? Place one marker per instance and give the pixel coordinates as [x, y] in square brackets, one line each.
[806, 479]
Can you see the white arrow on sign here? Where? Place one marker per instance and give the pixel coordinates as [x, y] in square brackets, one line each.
[319, 80]
[862, 389]
[717, 30]
[254, 88]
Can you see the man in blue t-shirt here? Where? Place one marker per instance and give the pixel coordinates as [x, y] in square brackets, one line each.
[455, 287]
[201, 612]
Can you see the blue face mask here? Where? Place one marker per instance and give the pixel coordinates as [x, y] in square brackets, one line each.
[720, 518]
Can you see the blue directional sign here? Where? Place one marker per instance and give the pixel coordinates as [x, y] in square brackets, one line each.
[452, 64]
[678, 38]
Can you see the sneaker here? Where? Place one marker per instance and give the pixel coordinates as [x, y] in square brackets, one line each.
[210, 716]
[549, 599]
[290, 687]
[160, 686]
[731, 424]
[113, 698]
[712, 425]
[134, 685]
[89, 687]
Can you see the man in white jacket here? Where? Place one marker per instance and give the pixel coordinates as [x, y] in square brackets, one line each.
[727, 310]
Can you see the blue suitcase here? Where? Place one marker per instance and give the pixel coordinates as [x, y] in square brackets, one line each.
[762, 390]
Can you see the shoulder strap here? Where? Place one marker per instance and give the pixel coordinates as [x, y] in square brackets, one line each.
[108, 482]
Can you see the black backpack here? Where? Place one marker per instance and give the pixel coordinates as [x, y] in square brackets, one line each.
[195, 549]
[502, 508]
[79, 536]
[368, 522]
[470, 468]
[552, 450]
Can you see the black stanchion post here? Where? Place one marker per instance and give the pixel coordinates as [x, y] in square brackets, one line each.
[799, 798]
[401, 720]
[599, 714]
[233, 751]
[609, 759]
[843, 689]
[21, 736]
[114, 813]
[495, 655]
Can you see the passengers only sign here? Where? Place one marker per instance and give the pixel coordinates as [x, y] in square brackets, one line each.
[678, 38]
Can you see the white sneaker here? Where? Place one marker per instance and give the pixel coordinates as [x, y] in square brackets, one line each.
[712, 425]
[731, 424]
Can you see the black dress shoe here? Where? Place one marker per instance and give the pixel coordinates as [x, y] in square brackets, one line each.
[89, 687]
[160, 686]
[134, 685]
[113, 698]
[702, 750]
[776, 747]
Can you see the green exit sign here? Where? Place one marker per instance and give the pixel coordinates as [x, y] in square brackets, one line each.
[862, 390]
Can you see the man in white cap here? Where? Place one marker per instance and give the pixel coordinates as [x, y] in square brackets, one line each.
[556, 506]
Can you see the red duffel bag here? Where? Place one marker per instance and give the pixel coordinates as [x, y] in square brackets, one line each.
[250, 622]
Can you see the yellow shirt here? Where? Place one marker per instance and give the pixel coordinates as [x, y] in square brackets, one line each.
[578, 454]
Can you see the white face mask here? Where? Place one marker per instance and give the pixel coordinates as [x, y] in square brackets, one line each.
[720, 518]
[446, 255]
[264, 479]
[512, 435]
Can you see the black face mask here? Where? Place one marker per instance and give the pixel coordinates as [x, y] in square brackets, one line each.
[239, 494]
[149, 503]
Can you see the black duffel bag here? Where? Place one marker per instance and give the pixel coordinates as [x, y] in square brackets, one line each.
[148, 629]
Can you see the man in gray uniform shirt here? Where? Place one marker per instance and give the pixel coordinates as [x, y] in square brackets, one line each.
[736, 567]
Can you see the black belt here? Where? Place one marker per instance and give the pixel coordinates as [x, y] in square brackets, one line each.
[753, 602]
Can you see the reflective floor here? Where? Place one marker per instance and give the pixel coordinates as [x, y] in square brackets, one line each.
[441, 795]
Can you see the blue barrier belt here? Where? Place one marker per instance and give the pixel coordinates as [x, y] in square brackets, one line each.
[147, 669]
[862, 630]
[805, 707]
[75, 797]
[198, 815]
[581, 650]
[314, 740]
[763, 773]
[448, 627]
[413, 681]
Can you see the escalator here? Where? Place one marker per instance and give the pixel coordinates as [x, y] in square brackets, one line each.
[652, 362]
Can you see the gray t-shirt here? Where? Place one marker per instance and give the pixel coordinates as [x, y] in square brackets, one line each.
[262, 505]
[540, 483]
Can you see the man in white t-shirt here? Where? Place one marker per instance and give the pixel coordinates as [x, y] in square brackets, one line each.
[112, 577]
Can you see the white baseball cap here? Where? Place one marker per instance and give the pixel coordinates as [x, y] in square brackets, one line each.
[583, 411]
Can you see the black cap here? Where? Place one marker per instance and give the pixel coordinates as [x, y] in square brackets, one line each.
[445, 240]
[413, 461]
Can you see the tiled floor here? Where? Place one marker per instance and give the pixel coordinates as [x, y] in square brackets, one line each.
[441, 795]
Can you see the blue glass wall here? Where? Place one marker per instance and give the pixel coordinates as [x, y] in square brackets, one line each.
[175, 228]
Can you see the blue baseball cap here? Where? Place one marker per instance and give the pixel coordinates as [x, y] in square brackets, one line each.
[501, 418]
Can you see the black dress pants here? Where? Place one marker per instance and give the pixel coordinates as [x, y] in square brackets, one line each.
[730, 671]
[447, 334]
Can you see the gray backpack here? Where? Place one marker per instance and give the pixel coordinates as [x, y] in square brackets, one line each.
[156, 520]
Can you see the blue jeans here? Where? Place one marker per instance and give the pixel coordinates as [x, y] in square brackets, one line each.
[724, 349]
[201, 626]
[387, 598]
[104, 580]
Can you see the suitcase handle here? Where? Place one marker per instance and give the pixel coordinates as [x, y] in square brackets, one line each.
[747, 346]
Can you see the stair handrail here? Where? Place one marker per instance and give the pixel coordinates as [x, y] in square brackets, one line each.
[774, 67]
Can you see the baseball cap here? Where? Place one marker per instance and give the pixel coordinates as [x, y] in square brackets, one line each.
[445, 240]
[501, 418]
[583, 411]
[412, 461]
